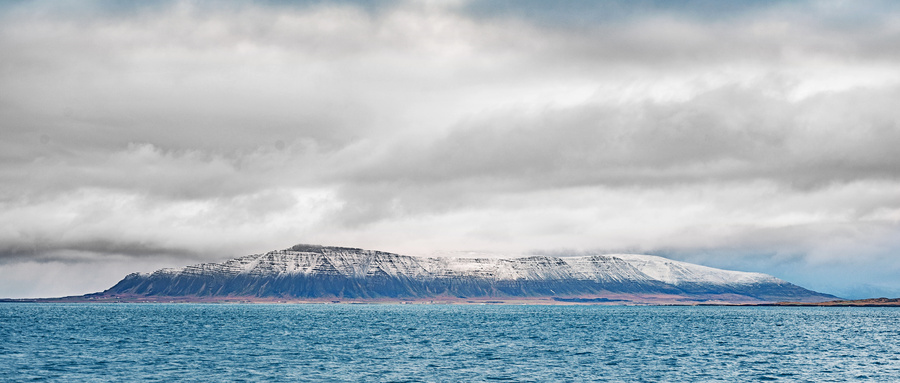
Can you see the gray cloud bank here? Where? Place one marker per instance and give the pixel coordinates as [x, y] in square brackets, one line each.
[759, 137]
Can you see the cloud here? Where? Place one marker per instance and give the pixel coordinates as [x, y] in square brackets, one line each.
[102, 224]
[731, 135]
[758, 136]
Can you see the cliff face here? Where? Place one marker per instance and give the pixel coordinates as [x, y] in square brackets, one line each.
[307, 271]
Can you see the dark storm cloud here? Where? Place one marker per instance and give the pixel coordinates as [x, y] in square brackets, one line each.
[50, 250]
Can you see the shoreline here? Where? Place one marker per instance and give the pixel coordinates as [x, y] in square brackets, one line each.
[606, 300]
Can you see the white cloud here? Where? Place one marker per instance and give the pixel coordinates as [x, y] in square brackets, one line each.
[761, 139]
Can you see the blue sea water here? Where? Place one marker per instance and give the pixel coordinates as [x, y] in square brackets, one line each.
[425, 343]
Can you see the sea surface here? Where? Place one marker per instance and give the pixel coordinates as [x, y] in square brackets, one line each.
[454, 343]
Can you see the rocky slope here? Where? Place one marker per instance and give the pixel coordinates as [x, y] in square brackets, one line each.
[318, 272]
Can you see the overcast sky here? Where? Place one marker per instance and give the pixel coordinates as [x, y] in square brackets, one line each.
[758, 137]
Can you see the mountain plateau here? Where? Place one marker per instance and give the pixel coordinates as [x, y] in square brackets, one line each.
[330, 274]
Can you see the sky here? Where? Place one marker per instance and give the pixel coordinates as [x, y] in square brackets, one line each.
[754, 136]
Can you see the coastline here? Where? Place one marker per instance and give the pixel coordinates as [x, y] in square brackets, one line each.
[869, 302]
[605, 300]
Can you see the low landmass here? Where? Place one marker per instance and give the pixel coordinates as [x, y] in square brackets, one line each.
[870, 302]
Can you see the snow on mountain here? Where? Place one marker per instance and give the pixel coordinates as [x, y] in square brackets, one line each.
[319, 271]
[675, 272]
[360, 263]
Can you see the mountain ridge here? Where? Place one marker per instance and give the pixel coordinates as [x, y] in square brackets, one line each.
[339, 273]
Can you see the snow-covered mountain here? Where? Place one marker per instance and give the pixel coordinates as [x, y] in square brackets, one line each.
[310, 271]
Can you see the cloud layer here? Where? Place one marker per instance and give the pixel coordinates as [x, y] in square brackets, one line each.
[757, 137]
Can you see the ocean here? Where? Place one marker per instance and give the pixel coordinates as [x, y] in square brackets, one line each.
[446, 343]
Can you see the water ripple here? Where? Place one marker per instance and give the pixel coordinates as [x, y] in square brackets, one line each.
[425, 343]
